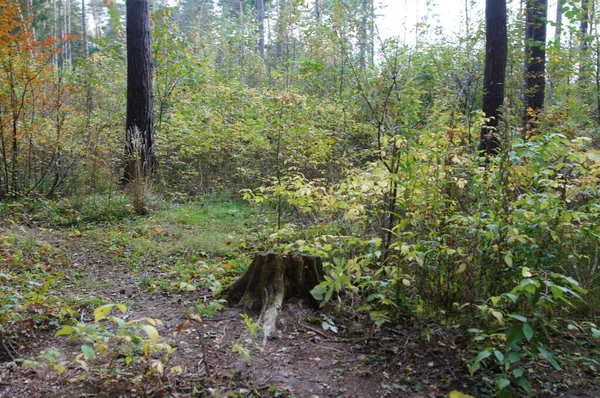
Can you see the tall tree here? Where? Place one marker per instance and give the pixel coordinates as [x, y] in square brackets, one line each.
[583, 39]
[535, 53]
[84, 30]
[140, 106]
[366, 34]
[558, 26]
[495, 72]
[260, 9]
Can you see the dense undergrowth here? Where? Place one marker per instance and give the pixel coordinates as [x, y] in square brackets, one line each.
[506, 253]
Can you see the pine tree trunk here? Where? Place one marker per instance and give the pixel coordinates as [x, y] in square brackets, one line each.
[84, 30]
[535, 53]
[140, 104]
[495, 72]
[260, 8]
[583, 42]
[558, 27]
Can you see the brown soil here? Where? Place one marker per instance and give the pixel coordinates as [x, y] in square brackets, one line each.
[302, 359]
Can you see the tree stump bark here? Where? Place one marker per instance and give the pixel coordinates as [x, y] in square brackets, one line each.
[270, 281]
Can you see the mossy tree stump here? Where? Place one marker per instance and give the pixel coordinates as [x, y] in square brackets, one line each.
[270, 281]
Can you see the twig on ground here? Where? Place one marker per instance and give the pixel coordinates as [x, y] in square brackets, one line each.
[7, 349]
[316, 331]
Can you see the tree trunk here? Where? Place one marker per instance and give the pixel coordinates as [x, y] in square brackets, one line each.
[95, 17]
[363, 34]
[495, 72]
[270, 281]
[583, 41]
[281, 30]
[260, 8]
[535, 53]
[84, 30]
[558, 27]
[140, 104]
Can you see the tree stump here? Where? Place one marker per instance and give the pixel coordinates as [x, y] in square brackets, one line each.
[271, 280]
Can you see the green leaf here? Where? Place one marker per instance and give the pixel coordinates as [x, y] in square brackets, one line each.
[527, 331]
[101, 312]
[518, 372]
[524, 383]
[65, 330]
[502, 383]
[514, 335]
[318, 292]
[518, 317]
[88, 352]
[595, 333]
[514, 356]
[547, 355]
[118, 321]
[508, 259]
[151, 332]
[482, 355]
[499, 356]
[512, 297]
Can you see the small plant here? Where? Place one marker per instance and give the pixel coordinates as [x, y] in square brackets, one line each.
[537, 297]
[245, 348]
[120, 343]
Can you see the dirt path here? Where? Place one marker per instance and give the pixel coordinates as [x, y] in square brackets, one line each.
[301, 361]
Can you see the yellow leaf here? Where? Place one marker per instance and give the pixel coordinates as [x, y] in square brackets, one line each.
[101, 348]
[151, 332]
[331, 141]
[461, 268]
[101, 312]
[508, 259]
[182, 325]
[194, 317]
[146, 347]
[499, 316]
[526, 273]
[406, 282]
[158, 366]
[458, 394]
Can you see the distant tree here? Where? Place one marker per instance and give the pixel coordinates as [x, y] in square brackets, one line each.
[366, 40]
[495, 72]
[140, 106]
[584, 40]
[193, 13]
[558, 26]
[260, 10]
[535, 53]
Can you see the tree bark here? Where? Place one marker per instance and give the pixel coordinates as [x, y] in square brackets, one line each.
[583, 41]
[535, 53]
[270, 281]
[84, 35]
[260, 8]
[140, 103]
[558, 27]
[281, 30]
[494, 74]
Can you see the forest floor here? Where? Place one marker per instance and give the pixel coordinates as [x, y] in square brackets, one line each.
[162, 266]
